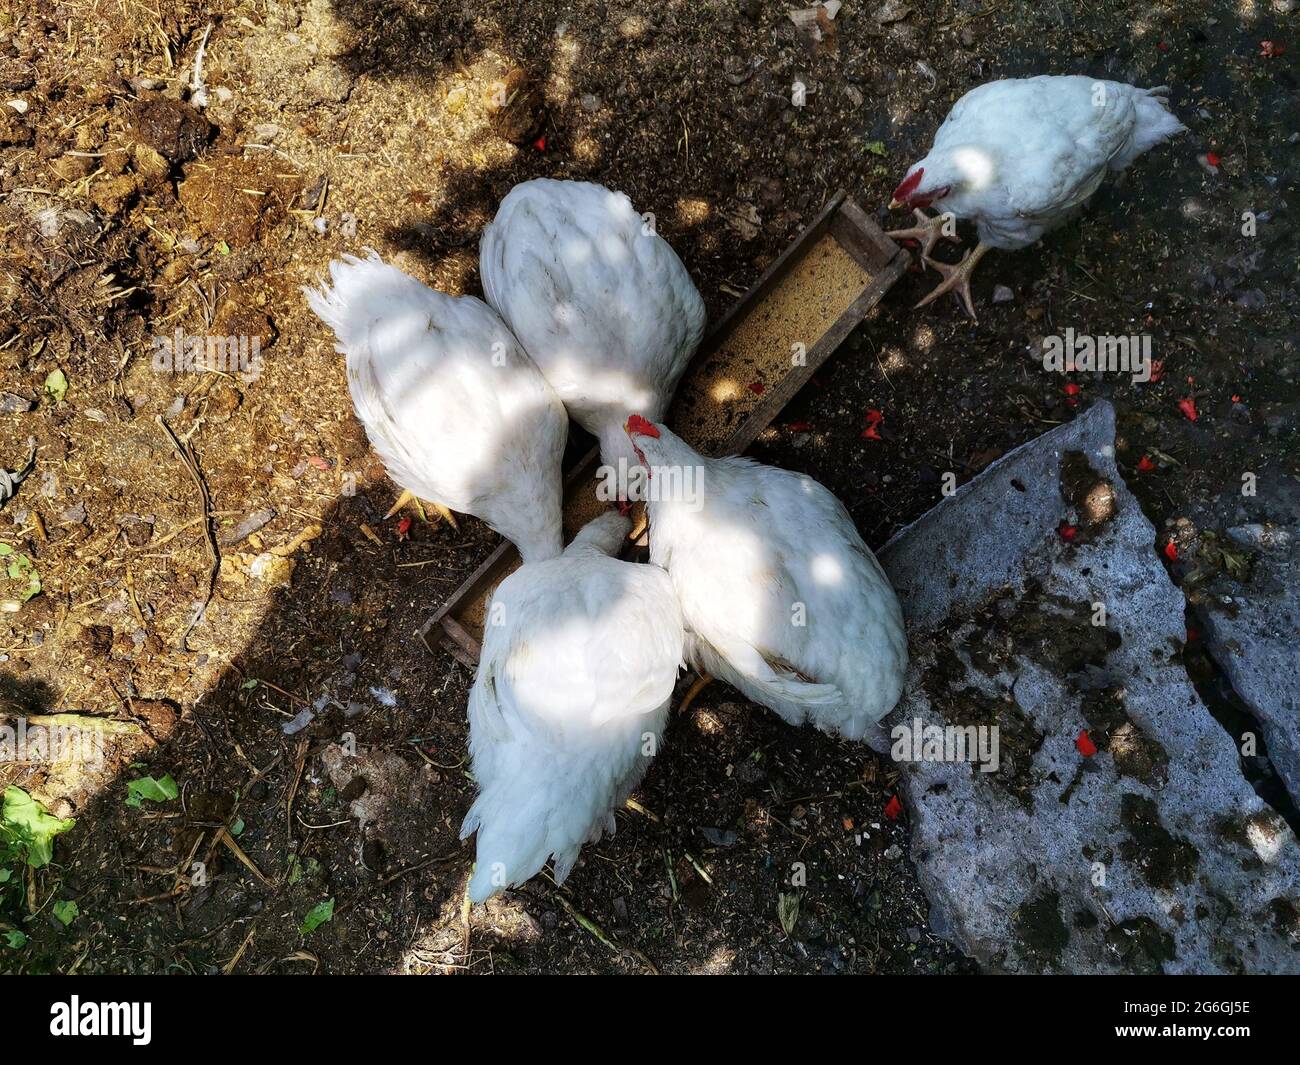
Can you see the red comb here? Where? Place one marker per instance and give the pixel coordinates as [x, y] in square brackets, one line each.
[909, 185]
[638, 426]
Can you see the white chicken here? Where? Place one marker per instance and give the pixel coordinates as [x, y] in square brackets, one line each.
[780, 596]
[597, 298]
[456, 410]
[580, 655]
[1019, 157]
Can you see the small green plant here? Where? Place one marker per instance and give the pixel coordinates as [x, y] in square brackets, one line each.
[787, 911]
[20, 568]
[56, 385]
[317, 916]
[154, 789]
[300, 868]
[27, 832]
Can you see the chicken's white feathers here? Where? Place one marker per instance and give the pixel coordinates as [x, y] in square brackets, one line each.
[597, 298]
[1023, 154]
[457, 412]
[579, 659]
[780, 596]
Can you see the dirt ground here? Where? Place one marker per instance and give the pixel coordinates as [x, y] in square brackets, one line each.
[126, 214]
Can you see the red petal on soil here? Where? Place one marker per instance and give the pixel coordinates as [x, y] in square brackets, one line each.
[757, 388]
[540, 143]
[1236, 398]
[403, 528]
[1163, 45]
[800, 427]
[1171, 551]
[1213, 158]
[1145, 465]
[1086, 747]
[893, 808]
[1157, 370]
[1072, 389]
[874, 418]
[1188, 407]
[1067, 532]
[1270, 49]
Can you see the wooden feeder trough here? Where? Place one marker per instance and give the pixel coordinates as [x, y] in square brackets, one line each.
[751, 363]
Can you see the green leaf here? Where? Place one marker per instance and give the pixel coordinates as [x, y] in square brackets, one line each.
[299, 869]
[15, 939]
[875, 147]
[151, 788]
[5, 549]
[20, 568]
[5, 876]
[252, 682]
[32, 825]
[237, 829]
[317, 916]
[787, 911]
[56, 385]
[66, 911]
[221, 248]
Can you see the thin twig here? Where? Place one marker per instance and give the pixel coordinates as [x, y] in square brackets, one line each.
[185, 452]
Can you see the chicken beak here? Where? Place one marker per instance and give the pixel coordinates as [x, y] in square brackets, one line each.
[894, 204]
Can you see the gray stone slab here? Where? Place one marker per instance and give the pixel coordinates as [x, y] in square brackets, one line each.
[1251, 620]
[1152, 854]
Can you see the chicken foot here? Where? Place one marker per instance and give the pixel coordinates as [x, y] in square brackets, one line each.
[928, 231]
[408, 498]
[957, 278]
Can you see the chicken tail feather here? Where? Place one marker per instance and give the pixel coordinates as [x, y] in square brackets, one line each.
[344, 303]
[1155, 122]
